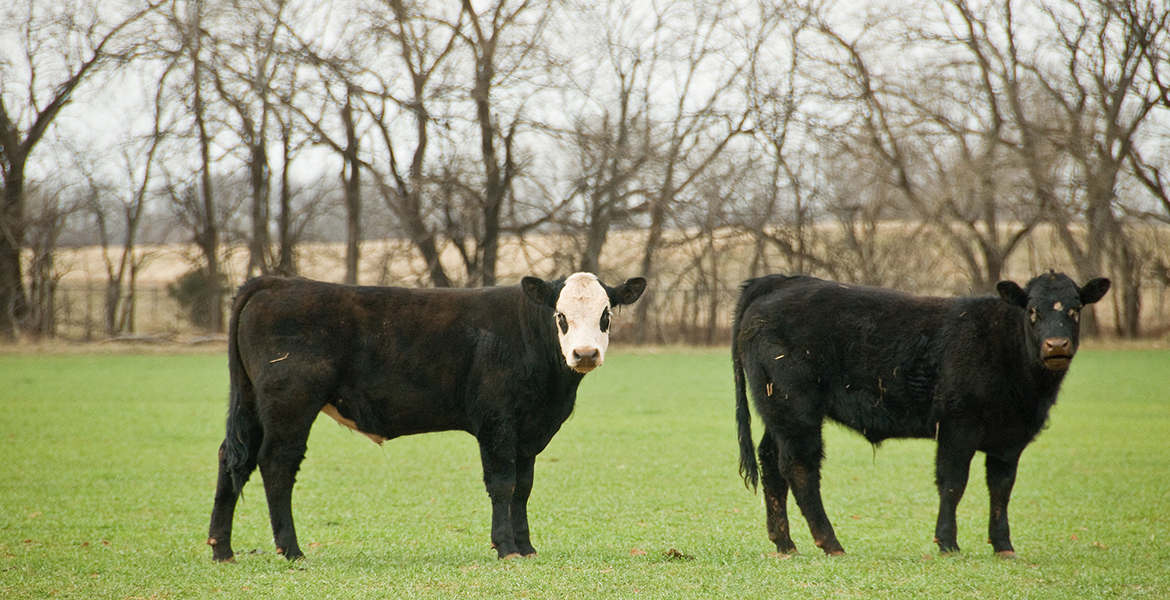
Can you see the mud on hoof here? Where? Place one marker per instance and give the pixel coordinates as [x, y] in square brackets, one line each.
[220, 553]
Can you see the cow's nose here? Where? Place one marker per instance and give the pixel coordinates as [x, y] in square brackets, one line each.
[586, 355]
[1057, 346]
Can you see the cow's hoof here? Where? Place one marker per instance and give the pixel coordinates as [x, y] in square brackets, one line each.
[834, 550]
[950, 549]
[291, 554]
[221, 553]
[511, 556]
[788, 548]
[1007, 554]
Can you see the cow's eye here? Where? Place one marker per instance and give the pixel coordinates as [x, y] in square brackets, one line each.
[563, 323]
[1075, 314]
[1033, 314]
[604, 321]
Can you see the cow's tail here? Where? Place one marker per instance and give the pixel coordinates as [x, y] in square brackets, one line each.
[243, 423]
[750, 291]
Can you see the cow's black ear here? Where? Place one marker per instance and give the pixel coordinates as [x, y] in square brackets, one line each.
[1094, 290]
[1011, 292]
[627, 292]
[537, 290]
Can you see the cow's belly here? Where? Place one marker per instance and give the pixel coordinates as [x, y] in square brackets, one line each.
[396, 410]
[333, 412]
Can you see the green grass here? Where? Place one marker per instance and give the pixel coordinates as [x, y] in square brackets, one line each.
[107, 471]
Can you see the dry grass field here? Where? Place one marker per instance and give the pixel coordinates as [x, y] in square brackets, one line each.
[692, 293]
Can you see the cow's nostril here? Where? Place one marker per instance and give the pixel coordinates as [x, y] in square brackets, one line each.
[586, 354]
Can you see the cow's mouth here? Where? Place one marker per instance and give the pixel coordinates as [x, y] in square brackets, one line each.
[583, 368]
[1057, 352]
[1057, 362]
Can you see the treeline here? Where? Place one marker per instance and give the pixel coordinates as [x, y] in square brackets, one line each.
[806, 128]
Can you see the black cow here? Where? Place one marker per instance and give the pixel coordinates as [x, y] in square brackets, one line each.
[500, 363]
[975, 374]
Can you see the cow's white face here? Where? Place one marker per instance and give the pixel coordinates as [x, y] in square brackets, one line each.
[583, 316]
[583, 309]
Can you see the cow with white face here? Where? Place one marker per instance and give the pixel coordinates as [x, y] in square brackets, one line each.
[501, 363]
[583, 311]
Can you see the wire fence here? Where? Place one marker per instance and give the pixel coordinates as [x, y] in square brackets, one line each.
[678, 315]
[682, 316]
[80, 313]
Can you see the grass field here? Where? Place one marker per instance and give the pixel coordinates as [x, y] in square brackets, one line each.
[108, 471]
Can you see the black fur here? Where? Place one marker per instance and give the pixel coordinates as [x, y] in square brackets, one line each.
[976, 374]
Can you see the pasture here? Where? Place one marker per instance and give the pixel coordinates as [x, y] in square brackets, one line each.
[108, 472]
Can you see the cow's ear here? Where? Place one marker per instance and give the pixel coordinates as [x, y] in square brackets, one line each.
[537, 290]
[1011, 292]
[627, 292]
[1094, 290]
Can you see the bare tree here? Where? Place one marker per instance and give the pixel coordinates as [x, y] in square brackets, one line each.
[333, 117]
[122, 217]
[58, 47]
[608, 137]
[422, 46]
[785, 169]
[1101, 105]
[248, 59]
[503, 40]
[207, 235]
[1149, 25]
[704, 60]
[940, 130]
[50, 209]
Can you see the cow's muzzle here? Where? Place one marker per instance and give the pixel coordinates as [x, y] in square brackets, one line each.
[585, 359]
[1056, 353]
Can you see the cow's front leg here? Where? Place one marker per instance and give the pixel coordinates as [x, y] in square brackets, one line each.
[952, 466]
[497, 451]
[519, 512]
[1001, 477]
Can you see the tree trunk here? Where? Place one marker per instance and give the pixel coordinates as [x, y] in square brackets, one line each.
[285, 265]
[13, 302]
[209, 238]
[653, 241]
[260, 178]
[351, 175]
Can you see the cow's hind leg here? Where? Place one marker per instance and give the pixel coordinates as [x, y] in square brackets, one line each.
[1001, 477]
[497, 451]
[227, 493]
[519, 510]
[800, 464]
[775, 495]
[281, 455]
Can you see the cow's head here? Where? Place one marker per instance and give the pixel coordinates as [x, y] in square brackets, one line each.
[1053, 304]
[582, 305]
